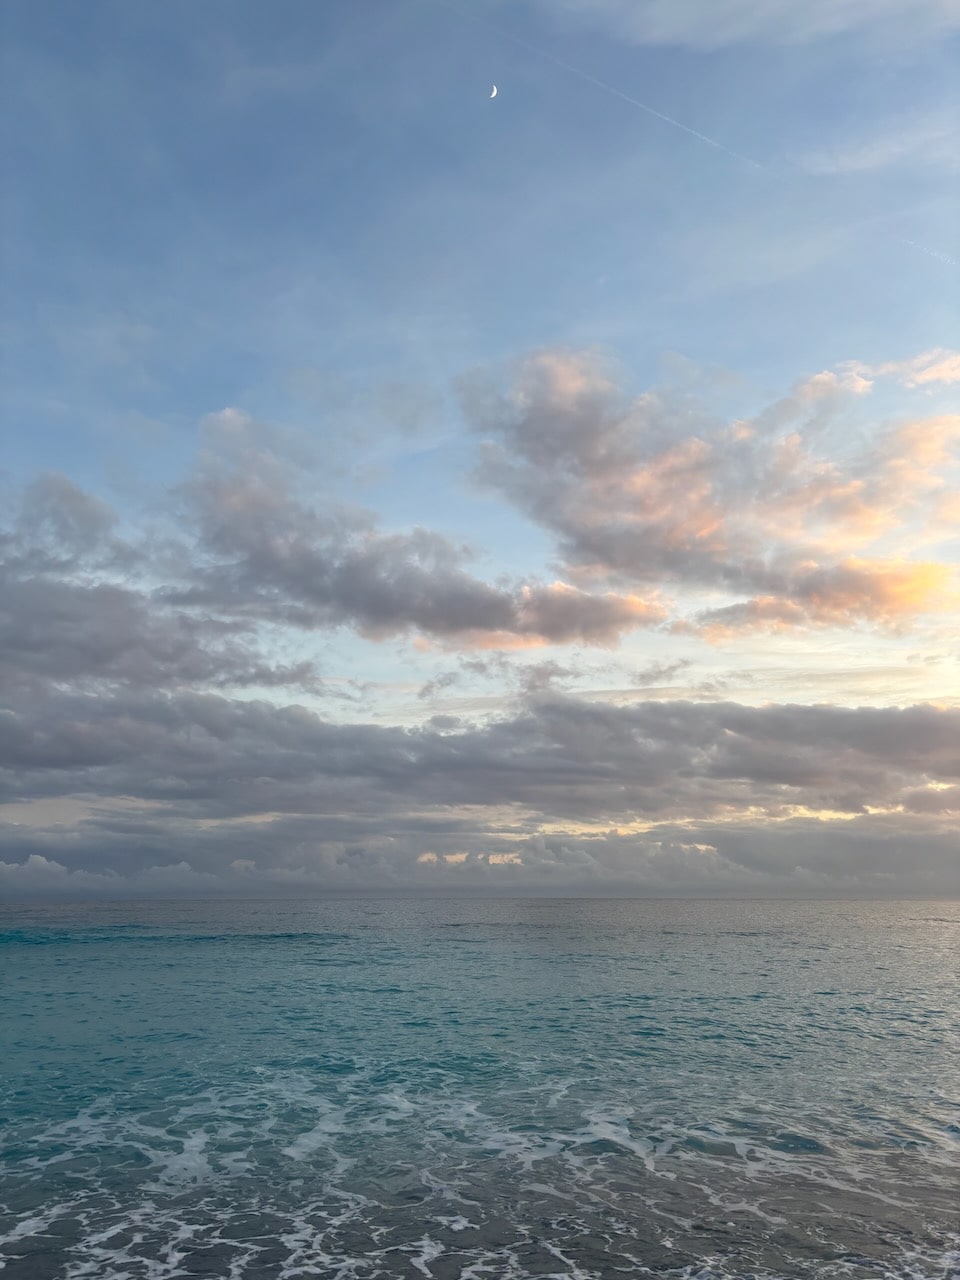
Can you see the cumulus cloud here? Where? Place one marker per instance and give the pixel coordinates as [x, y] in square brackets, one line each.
[56, 526]
[264, 551]
[198, 607]
[651, 492]
[69, 612]
[76, 632]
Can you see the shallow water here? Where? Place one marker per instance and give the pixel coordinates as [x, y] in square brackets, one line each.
[481, 1089]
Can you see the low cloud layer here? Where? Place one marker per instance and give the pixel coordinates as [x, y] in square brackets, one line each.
[179, 791]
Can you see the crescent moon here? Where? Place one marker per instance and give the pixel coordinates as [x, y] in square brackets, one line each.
[494, 92]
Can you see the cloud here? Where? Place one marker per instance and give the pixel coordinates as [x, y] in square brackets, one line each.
[135, 758]
[841, 596]
[929, 142]
[654, 494]
[197, 605]
[711, 24]
[77, 632]
[57, 526]
[240, 796]
[263, 551]
[659, 673]
[652, 503]
[70, 614]
[221, 758]
[941, 366]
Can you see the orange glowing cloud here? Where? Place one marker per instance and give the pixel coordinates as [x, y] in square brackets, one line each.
[883, 590]
[777, 510]
[841, 595]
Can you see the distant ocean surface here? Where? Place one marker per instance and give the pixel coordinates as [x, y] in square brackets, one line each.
[484, 1089]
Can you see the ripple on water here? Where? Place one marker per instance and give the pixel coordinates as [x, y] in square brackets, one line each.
[587, 1097]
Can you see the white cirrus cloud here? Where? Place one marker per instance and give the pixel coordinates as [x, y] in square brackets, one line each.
[710, 24]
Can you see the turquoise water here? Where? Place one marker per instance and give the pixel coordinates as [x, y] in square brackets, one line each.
[481, 1089]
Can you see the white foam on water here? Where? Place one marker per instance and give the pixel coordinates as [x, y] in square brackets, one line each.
[614, 1127]
[457, 1223]
[575, 1272]
[320, 1137]
[314, 1250]
[464, 1150]
[445, 1188]
[558, 1091]
[523, 1149]
[400, 1105]
[430, 1250]
[189, 1165]
[34, 1224]
[501, 1263]
[544, 1189]
[847, 1171]
[947, 1265]
[129, 1262]
[742, 1206]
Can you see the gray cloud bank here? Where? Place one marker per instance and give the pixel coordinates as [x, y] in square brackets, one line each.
[194, 793]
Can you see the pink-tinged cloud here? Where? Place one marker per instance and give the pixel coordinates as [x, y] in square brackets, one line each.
[775, 511]
[557, 613]
[250, 549]
[264, 549]
[939, 367]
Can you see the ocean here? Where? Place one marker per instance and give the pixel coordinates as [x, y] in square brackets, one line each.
[480, 1089]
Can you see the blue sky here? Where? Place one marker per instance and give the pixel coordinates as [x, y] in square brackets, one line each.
[299, 246]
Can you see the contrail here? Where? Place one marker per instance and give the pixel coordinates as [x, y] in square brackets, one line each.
[675, 124]
[932, 253]
[624, 97]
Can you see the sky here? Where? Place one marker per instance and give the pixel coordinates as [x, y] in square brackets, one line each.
[408, 490]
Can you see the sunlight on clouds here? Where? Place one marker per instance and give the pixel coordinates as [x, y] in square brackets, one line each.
[852, 591]
[762, 508]
[939, 366]
[552, 491]
[918, 452]
[182, 754]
